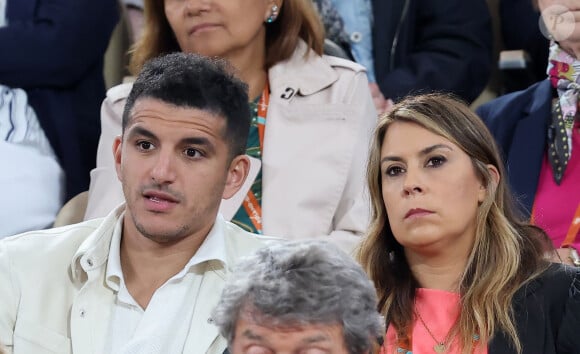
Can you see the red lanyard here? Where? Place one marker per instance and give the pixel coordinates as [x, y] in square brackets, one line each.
[251, 204]
[262, 112]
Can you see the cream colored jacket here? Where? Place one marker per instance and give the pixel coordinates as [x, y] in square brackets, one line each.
[318, 131]
[53, 297]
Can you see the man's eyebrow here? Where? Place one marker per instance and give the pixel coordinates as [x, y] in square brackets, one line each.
[140, 131]
[423, 152]
[251, 335]
[196, 141]
[315, 339]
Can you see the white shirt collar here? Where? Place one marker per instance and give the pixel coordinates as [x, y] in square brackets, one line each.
[212, 248]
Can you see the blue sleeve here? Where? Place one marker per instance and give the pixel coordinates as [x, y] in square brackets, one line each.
[357, 18]
[55, 48]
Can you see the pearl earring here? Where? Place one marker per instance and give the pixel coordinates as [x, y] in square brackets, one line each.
[273, 14]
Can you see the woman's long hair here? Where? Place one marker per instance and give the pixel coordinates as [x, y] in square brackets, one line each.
[507, 252]
[297, 19]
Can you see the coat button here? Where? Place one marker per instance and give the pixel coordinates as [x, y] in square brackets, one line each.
[355, 37]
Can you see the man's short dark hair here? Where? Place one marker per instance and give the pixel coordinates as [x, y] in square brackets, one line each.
[194, 81]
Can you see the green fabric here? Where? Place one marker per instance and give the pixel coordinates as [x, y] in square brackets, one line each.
[252, 149]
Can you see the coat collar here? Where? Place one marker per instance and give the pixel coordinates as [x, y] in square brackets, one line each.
[94, 250]
[203, 334]
[305, 72]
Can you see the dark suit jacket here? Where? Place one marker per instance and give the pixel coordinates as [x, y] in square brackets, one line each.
[519, 122]
[547, 315]
[53, 49]
[443, 45]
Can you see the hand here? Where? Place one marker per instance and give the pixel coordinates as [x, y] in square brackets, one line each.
[381, 104]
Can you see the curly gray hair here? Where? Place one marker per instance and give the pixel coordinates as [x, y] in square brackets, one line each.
[301, 283]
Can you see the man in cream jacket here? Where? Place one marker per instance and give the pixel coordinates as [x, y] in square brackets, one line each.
[145, 278]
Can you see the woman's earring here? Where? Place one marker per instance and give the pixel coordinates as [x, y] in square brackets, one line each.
[273, 14]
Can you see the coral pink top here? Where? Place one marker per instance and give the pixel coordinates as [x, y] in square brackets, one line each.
[439, 309]
[554, 205]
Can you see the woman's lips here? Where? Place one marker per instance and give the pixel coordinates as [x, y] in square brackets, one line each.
[202, 27]
[417, 212]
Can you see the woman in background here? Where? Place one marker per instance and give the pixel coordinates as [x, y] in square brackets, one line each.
[313, 115]
[456, 271]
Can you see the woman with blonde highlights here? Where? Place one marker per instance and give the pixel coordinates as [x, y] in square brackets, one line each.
[312, 115]
[455, 269]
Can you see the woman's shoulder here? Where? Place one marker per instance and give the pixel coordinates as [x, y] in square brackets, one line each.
[311, 74]
[343, 64]
[560, 281]
[119, 92]
[304, 62]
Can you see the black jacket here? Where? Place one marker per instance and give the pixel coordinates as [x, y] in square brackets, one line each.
[425, 45]
[547, 315]
[53, 49]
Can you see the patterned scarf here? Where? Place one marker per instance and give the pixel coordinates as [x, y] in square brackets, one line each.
[332, 21]
[564, 73]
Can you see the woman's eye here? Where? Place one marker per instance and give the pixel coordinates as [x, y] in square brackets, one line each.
[144, 145]
[436, 161]
[394, 170]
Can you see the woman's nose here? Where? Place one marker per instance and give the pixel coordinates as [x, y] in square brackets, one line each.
[413, 182]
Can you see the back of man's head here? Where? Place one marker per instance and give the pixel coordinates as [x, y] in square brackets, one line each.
[194, 81]
[301, 283]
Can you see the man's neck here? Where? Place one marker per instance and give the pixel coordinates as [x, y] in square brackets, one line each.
[147, 264]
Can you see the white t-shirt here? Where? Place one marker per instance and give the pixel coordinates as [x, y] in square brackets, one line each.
[2, 13]
[164, 325]
[30, 167]
[136, 3]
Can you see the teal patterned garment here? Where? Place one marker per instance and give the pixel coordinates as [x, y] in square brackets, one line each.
[252, 149]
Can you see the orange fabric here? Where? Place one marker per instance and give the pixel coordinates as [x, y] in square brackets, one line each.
[251, 204]
[439, 309]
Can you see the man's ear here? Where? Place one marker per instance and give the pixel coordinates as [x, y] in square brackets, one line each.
[495, 178]
[117, 150]
[237, 173]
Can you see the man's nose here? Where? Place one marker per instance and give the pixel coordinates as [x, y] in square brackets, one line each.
[163, 170]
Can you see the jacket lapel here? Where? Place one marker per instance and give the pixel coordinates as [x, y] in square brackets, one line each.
[527, 148]
[203, 332]
[388, 14]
